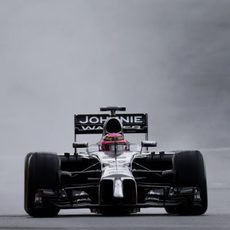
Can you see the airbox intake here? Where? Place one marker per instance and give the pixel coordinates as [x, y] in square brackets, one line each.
[113, 125]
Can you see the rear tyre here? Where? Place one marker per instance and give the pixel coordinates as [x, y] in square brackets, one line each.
[41, 172]
[190, 172]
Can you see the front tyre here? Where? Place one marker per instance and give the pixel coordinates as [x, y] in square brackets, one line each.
[41, 172]
[190, 172]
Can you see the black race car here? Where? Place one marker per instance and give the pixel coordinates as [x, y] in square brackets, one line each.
[114, 176]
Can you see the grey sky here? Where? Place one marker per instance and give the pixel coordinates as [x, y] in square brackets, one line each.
[167, 58]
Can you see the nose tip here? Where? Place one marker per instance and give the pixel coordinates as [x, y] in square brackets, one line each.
[118, 188]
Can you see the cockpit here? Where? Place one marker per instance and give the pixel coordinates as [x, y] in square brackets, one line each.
[114, 142]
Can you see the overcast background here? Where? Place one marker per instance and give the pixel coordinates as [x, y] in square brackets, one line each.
[170, 59]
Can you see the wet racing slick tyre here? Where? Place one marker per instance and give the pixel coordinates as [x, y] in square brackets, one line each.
[41, 172]
[190, 172]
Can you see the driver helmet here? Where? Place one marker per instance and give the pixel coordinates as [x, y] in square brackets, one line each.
[114, 140]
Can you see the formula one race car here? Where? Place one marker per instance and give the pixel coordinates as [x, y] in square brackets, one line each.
[114, 176]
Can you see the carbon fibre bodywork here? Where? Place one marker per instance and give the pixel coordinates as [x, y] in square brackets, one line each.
[123, 181]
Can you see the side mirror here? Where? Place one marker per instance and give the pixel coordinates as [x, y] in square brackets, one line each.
[148, 144]
[77, 145]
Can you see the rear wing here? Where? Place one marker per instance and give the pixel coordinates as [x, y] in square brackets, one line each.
[93, 123]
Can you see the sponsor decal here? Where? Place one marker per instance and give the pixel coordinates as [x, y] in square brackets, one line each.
[87, 123]
[89, 119]
[87, 127]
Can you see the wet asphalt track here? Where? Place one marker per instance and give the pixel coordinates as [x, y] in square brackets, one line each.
[217, 216]
[86, 222]
[148, 220]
